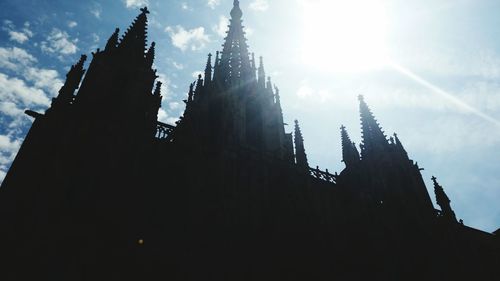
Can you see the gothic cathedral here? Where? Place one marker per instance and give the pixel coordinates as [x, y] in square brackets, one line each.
[101, 190]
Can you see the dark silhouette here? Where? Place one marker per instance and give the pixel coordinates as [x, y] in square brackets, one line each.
[100, 190]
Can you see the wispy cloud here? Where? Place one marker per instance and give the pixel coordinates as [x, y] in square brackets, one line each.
[213, 3]
[9, 146]
[59, 42]
[72, 24]
[96, 10]
[178, 65]
[133, 4]
[222, 26]
[23, 84]
[32, 87]
[18, 35]
[193, 39]
[15, 58]
[259, 5]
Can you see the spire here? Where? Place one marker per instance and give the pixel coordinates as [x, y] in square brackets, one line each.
[350, 154]
[73, 79]
[157, 91]
[216, 67]
[277, 100]
[269, 83]
[157, 97]
[236, 12]
[199, 84]
[277, 96]
[112, 41]
[150, 55]
[374, 139]
[261, 73]
[135, 36]
[190, 93]
[443, 201]
[399, 146]
[254, 68]
[235, 59]
[208, 70]
[300, 152]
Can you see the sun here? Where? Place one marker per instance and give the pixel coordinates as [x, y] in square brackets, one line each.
[344, 35]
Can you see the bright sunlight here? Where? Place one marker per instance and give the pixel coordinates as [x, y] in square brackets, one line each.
[344, 36]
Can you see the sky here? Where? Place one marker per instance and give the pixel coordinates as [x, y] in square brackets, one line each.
[429, 70]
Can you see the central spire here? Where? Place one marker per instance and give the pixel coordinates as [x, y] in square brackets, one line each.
[374, 140]
[236, 12]
[235, 59]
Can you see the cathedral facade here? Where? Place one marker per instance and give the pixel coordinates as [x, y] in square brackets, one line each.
[101, 190]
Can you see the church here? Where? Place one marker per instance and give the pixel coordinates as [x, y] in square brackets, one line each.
[101, 190]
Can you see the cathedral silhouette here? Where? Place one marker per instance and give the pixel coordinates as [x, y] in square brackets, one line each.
[101, 190]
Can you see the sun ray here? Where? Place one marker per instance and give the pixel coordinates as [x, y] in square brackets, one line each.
[450, 97]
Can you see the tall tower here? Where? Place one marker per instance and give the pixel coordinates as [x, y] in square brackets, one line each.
[232, 108]
[374, 141]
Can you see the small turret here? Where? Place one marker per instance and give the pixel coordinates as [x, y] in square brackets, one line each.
[112, 41]
[216, 67]
[73, 79]
[300, 152]
[350, 154]
[150, 55]
[399, 146]
[443, 201]
[208, 70]
[199, 85]
[190, 93]
[261, 77]
[157, 91]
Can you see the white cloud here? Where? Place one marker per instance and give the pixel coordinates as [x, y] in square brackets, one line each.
[165, 85]
[259, 5]
[174, 105]
[33, 90]
[47, 79]
[19, 36]
[185, 6]
[3, 173]
[249, 31]
[178, 65]
[213, 3]
[95, 38]
[58, 41]
[132, 4]
[222, 26]
[72, 24]
[8, 150]
[96, 10]
[162, 115]
[193, 39]
[15, 58]
[7, 144]
[15, 89]
[9, 108]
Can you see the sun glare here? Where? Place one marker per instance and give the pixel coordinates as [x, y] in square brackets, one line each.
[346, 36]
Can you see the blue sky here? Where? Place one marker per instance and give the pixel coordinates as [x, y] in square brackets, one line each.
[430, 71]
